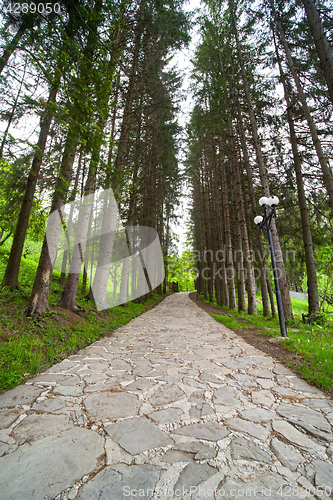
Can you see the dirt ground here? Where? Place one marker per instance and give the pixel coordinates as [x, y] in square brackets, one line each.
[253, 337]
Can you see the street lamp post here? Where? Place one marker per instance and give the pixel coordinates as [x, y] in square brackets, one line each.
[266, 221]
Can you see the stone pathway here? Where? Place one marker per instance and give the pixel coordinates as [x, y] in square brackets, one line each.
[172, 405]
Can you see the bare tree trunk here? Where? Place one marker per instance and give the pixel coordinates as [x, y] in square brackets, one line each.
[322, 45]
[313, 296]
[84, 281]
[13, 265]
[327, 173]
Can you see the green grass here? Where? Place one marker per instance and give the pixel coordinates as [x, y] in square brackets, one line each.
[29, 346]
[228, 322]
[314, 343]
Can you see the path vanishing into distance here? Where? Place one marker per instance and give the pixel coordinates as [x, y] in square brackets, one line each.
[171, 405]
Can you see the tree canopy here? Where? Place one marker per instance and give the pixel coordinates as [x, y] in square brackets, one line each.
[91, 102]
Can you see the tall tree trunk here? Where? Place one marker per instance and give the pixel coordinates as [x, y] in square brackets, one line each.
[3, 239]
[90, 295]
[322, 45]
[132, 208]
[198, 231]
[123, 139]
[251, 288]
[13, 265]
[257, 241]
[38, 302]
[227, 232]
[222, 297]
[12, 113]
[285, 296]
[237, 204]
[26, 23]
[313, 296]
[70, 222]
[208, 247]
[239, 264]
[327, 173]
[68, 297]
[107, 239]
[271, 294]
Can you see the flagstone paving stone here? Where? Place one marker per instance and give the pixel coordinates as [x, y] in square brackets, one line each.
[226, 396]
[264, 486]
[167, 394]
[209, 431]
[136, 435]
[116, 483]
[293, 436]
[21, 395]
[174, 456]
[201, 450]
[264, 398]
[171, 400]
[311, 420]
[47, 466]
[324, 474]
[249, 428]
[111, 405]
[321, 404]
[52, 379]
[36, 426]
[258, 415]
[243, 449]
[168, 416]
[116, 454]
[193, 475]
[288, 455]
[68, 390]
[8, 417]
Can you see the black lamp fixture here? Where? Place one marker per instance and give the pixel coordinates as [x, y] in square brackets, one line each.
[262, 222]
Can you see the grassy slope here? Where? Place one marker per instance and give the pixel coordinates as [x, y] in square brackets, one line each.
[30, 346]
[313, 342]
